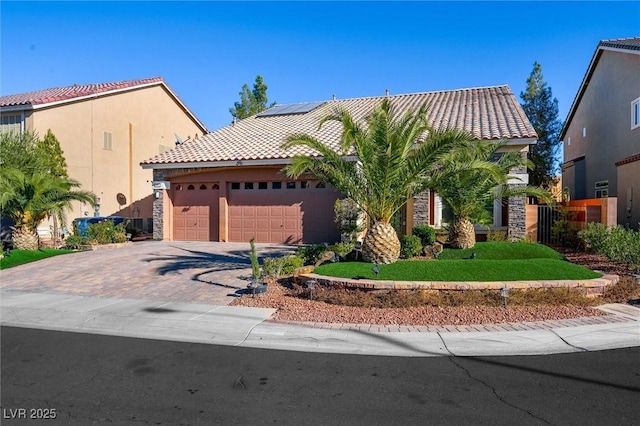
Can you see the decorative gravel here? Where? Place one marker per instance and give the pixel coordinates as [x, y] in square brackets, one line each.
[295, 309]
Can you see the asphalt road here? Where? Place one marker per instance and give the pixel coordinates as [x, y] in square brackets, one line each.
[83, 379]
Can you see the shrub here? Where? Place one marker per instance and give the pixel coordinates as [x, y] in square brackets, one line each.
[623, 245]
[277, 266]
[426, 234]
[496, 235]
[342, 249]
[106, 232]
[595, 237]
[74, 241]
[253, 256]
[311, 254]
[410, 246]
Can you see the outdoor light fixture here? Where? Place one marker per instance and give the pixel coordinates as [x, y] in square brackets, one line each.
[311, 284]
[504, 292]
[376, 270]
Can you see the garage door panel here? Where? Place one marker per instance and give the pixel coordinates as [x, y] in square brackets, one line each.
[195, 214]
[282, 216]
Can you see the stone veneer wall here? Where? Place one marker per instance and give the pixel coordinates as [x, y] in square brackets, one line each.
[158, 203]
[421, 209]
[518, 210]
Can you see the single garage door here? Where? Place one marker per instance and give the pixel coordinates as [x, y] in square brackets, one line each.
[282, 212]
[195, 211]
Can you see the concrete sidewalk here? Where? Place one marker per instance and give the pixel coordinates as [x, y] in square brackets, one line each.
[251, 327]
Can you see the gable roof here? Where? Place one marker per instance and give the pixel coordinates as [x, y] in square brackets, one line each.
[489, 113]
[630, 45]
[61, 95]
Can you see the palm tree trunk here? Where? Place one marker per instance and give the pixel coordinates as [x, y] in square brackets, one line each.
[381, 244]
[462, 234]
[25, 238]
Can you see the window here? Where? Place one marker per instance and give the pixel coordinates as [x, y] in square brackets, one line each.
[321, 185]
[635, 113]
[178, 187]
[203, 186]
[106, 141]
[304, 184]
[602, 193]
[190, 188]
[262, 185]
[11, 123]
[215, 186]
[291, 185]
[235, 185]
[248, 185]
[276, 185]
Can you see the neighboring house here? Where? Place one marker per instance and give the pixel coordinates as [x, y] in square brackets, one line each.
[227, 185]
[105, 131]
[601, 135]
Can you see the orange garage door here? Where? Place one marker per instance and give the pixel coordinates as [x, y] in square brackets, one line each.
[292, 212]
[195, 212]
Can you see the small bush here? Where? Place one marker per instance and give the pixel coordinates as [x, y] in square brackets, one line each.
[277, 266]
[311, 254]
[106, 232]
[342, 249]
[74, 241]
[410, 246]
[426, 234]
[623, 245]
[595, 237]
[496, 235]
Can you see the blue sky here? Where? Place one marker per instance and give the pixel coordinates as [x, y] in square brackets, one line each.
[305, 51]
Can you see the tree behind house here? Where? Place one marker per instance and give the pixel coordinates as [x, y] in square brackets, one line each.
[251, 101]
[542, 110]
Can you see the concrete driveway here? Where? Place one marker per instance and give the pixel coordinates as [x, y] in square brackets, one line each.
[195, 272]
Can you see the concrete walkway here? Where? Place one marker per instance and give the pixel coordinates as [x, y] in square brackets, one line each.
[180, 291]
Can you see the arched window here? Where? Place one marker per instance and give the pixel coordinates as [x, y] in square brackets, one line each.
[321, 185]
[190, 188]
[215, 186]
[178, 187]
[203, 186]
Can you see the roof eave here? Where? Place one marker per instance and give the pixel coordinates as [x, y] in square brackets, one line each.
[587, 78]
[229, 163]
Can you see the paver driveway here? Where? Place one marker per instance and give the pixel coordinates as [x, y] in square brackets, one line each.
[196, 272]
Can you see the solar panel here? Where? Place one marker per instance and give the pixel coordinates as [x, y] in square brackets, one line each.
[290, 109]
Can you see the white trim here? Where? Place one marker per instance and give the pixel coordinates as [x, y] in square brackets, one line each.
[635, 108]
[619, 50]
[522, 141]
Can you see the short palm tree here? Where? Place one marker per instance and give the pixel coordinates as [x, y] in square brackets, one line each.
[395, 155]
[29, 198]
[469, 192]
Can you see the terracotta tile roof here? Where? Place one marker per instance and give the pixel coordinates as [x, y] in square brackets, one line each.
[488, 112]
[631, 43]
[57, 94]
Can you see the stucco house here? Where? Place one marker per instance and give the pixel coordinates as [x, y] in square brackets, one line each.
[105, 131]
[601, 135]
[227, 186]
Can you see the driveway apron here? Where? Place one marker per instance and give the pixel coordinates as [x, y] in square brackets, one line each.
[195, 272]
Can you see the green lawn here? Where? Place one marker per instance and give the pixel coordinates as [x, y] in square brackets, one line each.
[19, 257]
[494, 262]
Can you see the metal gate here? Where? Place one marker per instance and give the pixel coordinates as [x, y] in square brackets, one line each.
[547, 216]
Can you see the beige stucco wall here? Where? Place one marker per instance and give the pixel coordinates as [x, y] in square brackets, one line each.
[139, 120]
[629, 194]
[605, 113]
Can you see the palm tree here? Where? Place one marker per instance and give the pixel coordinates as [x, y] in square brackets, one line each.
[395, 155]
[29, 198]
[469, 192]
